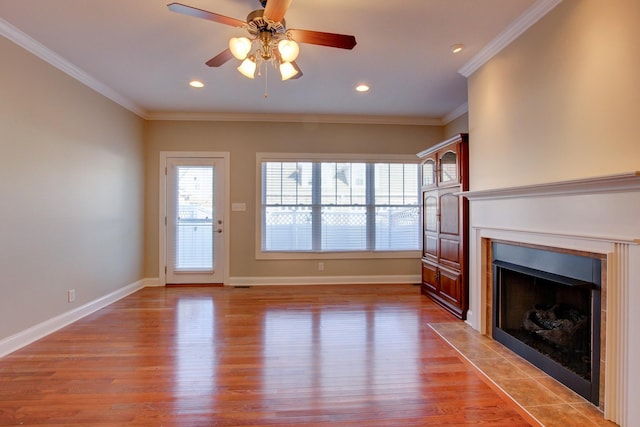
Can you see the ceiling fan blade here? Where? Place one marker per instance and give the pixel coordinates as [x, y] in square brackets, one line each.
[275, 9]
[340, 41]
[220, 58]
[199, 13]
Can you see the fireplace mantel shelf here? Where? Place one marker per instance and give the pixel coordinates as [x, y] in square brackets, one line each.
[629, 181]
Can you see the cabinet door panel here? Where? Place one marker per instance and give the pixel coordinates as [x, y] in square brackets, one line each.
[431, 246]
[430, 211]
[450, 286]
[429, 276]
[429, 172]
[430, 224]
[450, 252]
[450, 212]
[448, 160]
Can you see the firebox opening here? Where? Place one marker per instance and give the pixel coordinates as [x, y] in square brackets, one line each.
[547, 309]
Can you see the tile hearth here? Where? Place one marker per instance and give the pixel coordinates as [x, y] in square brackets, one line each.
[540, 396]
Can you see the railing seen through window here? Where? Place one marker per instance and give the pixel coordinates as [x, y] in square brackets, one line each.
[339, 206]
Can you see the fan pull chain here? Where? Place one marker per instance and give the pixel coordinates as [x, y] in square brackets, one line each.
[266, 72]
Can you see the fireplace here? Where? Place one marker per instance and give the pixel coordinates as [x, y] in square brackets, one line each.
[547, 307]
[595, 216]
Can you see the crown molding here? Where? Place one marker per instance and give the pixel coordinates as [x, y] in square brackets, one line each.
[23, 40]
[532, 15]
[297, 118]
[464, 108]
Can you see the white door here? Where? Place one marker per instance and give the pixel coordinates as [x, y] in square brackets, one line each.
[194, 220]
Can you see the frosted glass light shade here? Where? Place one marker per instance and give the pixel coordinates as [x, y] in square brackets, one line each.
[248, 68]
[287, 70]
[288, 50]
[239, 47]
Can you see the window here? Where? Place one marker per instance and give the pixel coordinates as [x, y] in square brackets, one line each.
[194, 219]
[339, 206]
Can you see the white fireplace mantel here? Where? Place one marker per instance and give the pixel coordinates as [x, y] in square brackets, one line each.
[598, 215]
[629, 181]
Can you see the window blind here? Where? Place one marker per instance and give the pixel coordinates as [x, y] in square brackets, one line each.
[194, 219]
[339, 206]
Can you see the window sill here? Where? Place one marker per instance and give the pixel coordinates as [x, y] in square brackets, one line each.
[337, 255]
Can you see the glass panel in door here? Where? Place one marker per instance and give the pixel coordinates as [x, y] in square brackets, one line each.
[449, 167]
[428, 172]
[430, 224]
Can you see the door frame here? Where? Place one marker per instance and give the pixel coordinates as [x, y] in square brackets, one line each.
[162, 207]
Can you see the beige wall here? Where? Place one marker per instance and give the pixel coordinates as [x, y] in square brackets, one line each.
[456, 126]
[562, 101]
[71, 182]
[243, 141]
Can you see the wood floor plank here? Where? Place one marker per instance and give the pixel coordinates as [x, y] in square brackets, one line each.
[263, 356]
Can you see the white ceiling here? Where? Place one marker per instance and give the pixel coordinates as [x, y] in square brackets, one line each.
[142, 55]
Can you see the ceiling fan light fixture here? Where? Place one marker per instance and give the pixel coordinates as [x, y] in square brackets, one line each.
[287, 70]
[248, 68]
[239, 47]
[271, 42]
[288, 49]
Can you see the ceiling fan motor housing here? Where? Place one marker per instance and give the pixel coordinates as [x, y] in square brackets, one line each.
[268, 32]
[256, 23]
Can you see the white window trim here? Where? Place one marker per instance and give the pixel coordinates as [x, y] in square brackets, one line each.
[314, 157]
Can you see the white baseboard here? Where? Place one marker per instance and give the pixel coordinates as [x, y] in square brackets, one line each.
[323, 280]
[23, 338]
[310, 280]
[152, 282]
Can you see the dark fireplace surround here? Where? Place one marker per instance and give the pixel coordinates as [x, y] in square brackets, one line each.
[547, 309]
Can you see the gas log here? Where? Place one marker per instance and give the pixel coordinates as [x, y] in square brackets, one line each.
[558, 324]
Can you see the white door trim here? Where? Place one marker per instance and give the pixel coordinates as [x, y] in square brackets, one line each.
[162, 190]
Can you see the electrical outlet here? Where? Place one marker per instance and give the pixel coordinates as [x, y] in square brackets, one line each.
[71, 295]
[321, 266]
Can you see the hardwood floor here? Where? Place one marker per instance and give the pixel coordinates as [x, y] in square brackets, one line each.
[359, 355]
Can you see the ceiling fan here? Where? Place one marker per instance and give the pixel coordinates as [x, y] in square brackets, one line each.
[274, 43]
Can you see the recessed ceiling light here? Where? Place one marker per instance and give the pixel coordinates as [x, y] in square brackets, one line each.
[196, 83]
[456, 48]
[362, 87]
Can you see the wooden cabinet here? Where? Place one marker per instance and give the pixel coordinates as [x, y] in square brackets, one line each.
[445, 172]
